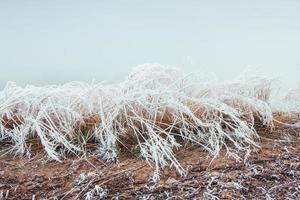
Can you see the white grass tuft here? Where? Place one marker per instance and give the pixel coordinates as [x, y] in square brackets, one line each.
[156, 109]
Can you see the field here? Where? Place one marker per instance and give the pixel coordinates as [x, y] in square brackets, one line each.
[273, 172]
[159, 134]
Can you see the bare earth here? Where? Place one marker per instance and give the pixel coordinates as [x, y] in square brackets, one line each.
[271, 172]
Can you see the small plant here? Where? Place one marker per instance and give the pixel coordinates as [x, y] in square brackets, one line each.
[96, 193]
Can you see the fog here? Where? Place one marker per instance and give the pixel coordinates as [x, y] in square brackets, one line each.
[53, 42]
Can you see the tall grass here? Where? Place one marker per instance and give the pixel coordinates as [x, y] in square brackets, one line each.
[154, 111]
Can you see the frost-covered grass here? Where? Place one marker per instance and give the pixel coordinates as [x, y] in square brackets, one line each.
[156, 108]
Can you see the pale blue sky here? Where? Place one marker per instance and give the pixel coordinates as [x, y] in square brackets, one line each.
[57, 41]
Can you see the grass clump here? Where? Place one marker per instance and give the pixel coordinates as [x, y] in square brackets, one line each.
[155, 109]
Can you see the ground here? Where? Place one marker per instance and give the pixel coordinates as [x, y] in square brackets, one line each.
[271, 172]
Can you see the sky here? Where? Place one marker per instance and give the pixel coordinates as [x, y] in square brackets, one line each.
[57, 41]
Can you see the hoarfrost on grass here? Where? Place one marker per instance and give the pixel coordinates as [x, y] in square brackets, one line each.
[157, 107]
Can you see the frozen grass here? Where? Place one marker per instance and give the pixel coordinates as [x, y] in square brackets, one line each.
[290, 102]
[155, 109]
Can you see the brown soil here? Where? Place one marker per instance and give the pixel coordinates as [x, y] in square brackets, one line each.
[271, 172]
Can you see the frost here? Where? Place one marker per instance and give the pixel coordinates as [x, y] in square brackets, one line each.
[161, 108]
[96, 193]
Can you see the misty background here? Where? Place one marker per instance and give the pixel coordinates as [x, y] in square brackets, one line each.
[53, 42]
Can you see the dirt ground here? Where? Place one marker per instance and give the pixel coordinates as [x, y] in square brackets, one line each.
[272, 172]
